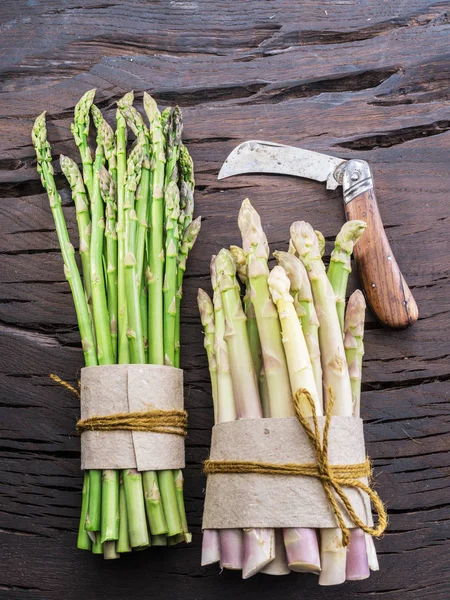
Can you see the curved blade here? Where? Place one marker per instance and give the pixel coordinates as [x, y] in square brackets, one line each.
[255, 156]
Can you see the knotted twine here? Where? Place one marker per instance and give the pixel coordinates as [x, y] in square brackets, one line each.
[333, 477]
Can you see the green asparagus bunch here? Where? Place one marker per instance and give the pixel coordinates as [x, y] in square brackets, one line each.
[134, 205]
[288, 325]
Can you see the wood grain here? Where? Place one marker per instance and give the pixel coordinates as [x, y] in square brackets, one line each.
[355, 79]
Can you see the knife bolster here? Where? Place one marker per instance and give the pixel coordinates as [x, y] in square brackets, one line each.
[356, 178]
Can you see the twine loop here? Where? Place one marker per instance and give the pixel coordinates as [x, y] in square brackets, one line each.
[333, 477]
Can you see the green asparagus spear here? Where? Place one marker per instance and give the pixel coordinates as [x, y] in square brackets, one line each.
[155, 272]
[206, 310]
[134, 332]
[137, 125]
[107, 190]
[80, 131]
[45, 169]
[121, 152]
[75, 179]
[172, 206]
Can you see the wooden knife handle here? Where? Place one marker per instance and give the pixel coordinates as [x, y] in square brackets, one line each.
[384, 286]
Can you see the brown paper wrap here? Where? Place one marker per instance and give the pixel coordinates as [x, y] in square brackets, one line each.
[235, 500]
[112, 389]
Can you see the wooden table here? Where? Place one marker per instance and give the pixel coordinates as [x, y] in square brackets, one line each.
[356, 79]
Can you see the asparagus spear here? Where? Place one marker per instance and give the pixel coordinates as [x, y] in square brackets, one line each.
[172, 205]
[340, 267]
[187, 243]
[252, 327]
[334, 365]
[155, 272]
[245, 386]
[136, 123]
[256, 249]
[105, 353]
[206, 309]
[304, 306]
[123, 353]
[335, 375]
[301, 373]
[354, 346]
[357, 565]
[258, 543]
[107, 189]
[187, 184]
[75, 180]
[45, 169]
[153, 504]
[80, 131]
[301, 544]
[210, 539]
[230, 540]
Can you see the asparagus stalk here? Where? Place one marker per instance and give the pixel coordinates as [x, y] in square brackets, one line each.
[45, 169]
[136, 123]
[210, 539]
[155, 272]
[258, 543]
[357, 565]
[301, 544]
[134, 494]
[153, 504]
[256, 249]
[186, 213]
[172, 206]
[335, 375]
[354, 346]
[105, 353]
[107, 189]
[80, 131]
[187, 243]
[304, 306]
[279, 566]
[301, 373]
[123, 353]
[84, 541]
[99, 304]
[245, 386]
[252, 325]
[134, 332]
[230, 540]
[75, 180]
[123, 543]
[206, 310]
[210, 547]
[340, 266]
[179, 491]
[334, 365]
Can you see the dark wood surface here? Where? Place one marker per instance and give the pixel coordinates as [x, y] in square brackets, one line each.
[367, 79]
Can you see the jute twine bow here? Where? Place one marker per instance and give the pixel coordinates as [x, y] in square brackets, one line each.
[158, 420]
[333, 477]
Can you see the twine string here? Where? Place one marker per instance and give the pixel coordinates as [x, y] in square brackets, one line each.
[157, 420]
[333, 477]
